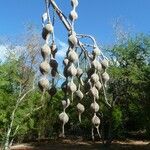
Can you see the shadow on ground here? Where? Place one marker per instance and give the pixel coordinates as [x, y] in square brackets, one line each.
[81, 145]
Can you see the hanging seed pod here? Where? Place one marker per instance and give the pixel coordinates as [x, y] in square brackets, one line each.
[53, 72]
[53, 63]
[64, 86]
[64, 117]
[94, 92]
[65, 61]
[65, 71]
[48, 29]
[79, 94]
[72, 87]
[73, 15]
[74, 3]
[94, 78]
[95, 107]
[105, 63]
[95, 121]
[90, 72]
[72, 71]
[72, 56]
[44, 67]
[80, 109]
[73, 39]
[43, 84]
[65, 104]
[53, 49]
[79, 72]
[105, 76]
[45, 51]
[98, 85]
[96, 51]
[52, 91]
[97, 65]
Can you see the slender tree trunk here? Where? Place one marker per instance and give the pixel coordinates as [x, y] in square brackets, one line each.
[9, 131]
[7, 140]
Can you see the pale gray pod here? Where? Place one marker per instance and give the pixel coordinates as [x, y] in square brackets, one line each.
[95, 107]
[94, 92]
[73, 15]
[74, 3]
[98, 85]
[63, 117]
[65, 103]
[53, 49]
[95, 121]
[105, 76]
[72, 56]
[44, 67]
[65, 61]
[73, 39]
[43, 83]
[48, 28]
[94, 78]
[72, 71]
[105, 63]
[80, 108]
[99, 66]
[79, 72]
[79, 94]
[96, 51]
[45, 51]
[96, 64]
[72, 87]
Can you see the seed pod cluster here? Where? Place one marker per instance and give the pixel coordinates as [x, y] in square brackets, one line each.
[79, 95]
[80, 109]
[97, 76]
[105, 75]
[73, 14]
[70, 70]
[54, 66]
[45, 52]
[63, 116]
[94, 85]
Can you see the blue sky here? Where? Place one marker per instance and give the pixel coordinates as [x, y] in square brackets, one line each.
[96, 18]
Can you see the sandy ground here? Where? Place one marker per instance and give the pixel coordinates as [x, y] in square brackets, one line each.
[82, 145]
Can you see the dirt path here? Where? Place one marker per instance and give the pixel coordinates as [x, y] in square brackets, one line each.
[81, 145]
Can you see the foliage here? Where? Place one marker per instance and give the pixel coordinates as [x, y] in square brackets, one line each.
[130, 81]
[130, 84]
